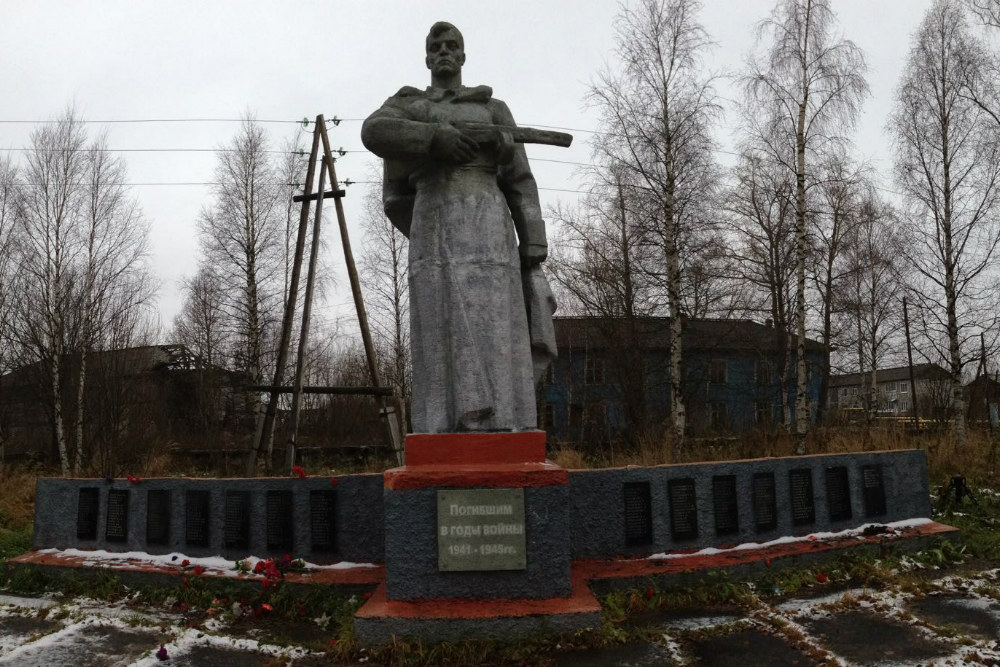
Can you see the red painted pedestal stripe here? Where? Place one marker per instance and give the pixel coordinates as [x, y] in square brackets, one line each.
[475, 476]
[444, 449]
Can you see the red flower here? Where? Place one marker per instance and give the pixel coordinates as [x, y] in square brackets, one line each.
[259, 567]
[334, 642]
[138, 479]
[267, 607]
[198, 570]
[368, 596]
[333, 481]
[649, 592]
[162, 653]
[185, 562]
[821, 578]
[130, 478]
[297, 470]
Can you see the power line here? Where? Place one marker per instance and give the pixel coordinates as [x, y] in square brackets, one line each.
[149, 120]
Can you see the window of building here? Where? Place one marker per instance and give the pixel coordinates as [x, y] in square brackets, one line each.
[717, 418]
[762, 373]
[763, 413]
[593, 371]
[717, 371]
[904, 387]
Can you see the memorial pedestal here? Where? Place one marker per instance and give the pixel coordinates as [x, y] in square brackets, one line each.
[477, 537]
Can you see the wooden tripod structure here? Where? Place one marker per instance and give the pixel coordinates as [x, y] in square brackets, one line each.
[387, 402]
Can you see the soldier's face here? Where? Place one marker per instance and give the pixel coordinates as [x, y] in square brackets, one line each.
[445, 54]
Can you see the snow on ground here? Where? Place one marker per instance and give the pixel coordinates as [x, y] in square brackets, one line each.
[791, 539]
[212, 564]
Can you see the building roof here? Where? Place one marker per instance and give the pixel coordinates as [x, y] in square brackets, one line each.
[920, 372]
[654, 332]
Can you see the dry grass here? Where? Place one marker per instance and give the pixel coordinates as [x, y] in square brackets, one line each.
[944, 456]
[17, 502]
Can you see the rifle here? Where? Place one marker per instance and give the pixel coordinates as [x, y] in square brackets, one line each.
[487, 133]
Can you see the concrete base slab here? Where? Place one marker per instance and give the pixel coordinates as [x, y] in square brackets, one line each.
[380, 620]
[864, 638]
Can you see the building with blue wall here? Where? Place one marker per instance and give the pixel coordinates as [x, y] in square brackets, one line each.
[612, 376]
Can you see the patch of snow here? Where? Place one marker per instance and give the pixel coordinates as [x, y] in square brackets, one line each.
[30, 603]
[213, 564]
[792, 539]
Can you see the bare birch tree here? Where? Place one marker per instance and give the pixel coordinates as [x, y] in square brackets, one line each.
[8, 210]
[657, 111]
[761, 209]
[241, 238]
[803, 92]
[948, 167]
[383, 264]
[50, 213]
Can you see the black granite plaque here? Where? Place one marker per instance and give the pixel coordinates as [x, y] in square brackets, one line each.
[725, 505]
[873, 490]
[158, 517]
[116, 523]
[236, 530]
[800, 485]
[280, 536]
[838, 493]
[638, 514]
[196, 518]
[87, 506]
[322, 520]
[683, 509]
[765, 510]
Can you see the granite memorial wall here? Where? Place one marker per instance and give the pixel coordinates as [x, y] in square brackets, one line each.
[611, 512]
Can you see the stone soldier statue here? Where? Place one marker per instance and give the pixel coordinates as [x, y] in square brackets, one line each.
[458, 185]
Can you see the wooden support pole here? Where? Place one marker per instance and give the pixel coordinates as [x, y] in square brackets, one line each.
[293, 426]
[263, 442]
[390, 417]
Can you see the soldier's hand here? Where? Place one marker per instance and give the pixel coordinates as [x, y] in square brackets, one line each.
[532, 254]
[450, 144]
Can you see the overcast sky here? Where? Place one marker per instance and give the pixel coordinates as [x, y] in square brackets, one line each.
[214, 59]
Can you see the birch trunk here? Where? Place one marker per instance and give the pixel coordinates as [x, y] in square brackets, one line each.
[801, 397]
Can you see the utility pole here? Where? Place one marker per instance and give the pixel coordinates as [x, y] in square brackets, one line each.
[909, 360]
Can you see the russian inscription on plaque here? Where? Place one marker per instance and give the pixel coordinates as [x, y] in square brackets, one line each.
[322, 520]
[236, 531]
[279, 521]
[765, 510]
[196, 504]
[116, 526]
[800, 483]
[158, 516]
[86, 513]
[724, 504]
[481, 529]
[683, 509]
[873, 490]
[638, 514]
[838, 493]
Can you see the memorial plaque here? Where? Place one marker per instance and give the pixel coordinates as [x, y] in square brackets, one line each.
[280, 536]
[322, 520]
[88, 503]
[765, 510]
[683, 509]
[873, 490]
[800, 482]
[725, 505]
[236, 530]
[481, 529]
[116, 523]
[638, 514]
[838, 494]
[158, 517]
[196, 518]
